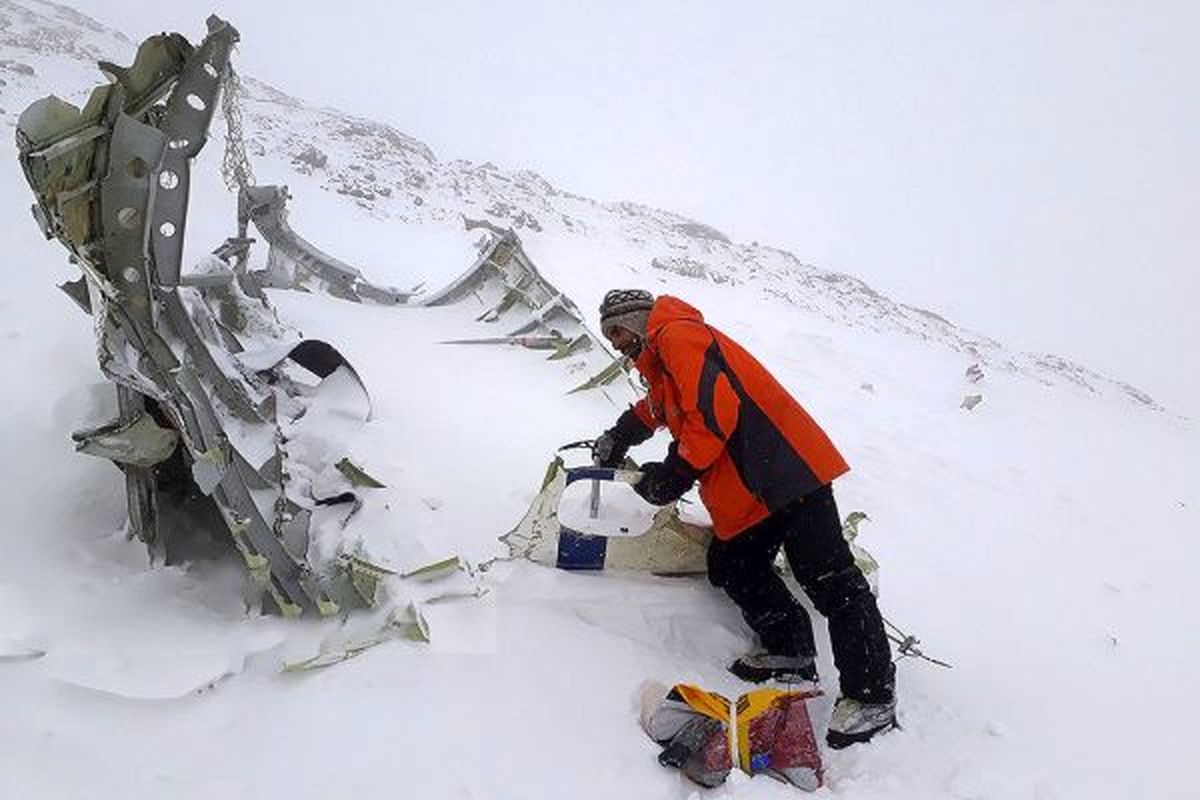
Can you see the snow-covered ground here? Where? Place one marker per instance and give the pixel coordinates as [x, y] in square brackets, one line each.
[1043, 543]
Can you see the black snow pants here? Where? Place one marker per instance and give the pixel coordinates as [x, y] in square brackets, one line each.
[810, 532]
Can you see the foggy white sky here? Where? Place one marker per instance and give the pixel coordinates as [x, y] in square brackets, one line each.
[1027, 169]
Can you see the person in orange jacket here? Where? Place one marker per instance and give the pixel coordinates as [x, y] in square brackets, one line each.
[765, 469]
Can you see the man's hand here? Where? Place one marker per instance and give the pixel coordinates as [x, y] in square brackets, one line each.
[610, 447]
[607, 451]
[664, 482]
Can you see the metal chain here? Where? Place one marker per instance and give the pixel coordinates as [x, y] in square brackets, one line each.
[235, 165]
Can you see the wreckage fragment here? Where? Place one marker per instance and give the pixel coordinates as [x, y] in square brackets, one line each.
[666, 545]
[503, 278]
[669, 546]
[212, 405]
[536, 315]
[139, 442]
[209, 408]
[295, 263]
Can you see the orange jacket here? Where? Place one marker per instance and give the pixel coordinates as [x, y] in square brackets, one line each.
[754, 447]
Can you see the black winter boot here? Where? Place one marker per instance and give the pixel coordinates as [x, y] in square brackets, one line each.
[761, 666]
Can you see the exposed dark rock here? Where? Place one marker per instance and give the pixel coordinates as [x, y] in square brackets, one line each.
[927, 313]
[18, 68]
[524, 219]
[535, 182]
[499, 209]
[311, 156]
[691, 268]
[698, 230]
[355, 191]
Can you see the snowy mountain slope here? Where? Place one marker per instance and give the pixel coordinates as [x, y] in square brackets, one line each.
[1042, 543]
[391, 175]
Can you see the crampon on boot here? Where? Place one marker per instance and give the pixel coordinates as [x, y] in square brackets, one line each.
[761, 666]
[855, 722]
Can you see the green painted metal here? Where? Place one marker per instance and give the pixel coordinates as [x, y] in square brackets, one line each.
[358, 476]
[140, 442]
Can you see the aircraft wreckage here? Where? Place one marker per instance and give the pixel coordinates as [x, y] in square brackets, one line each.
[214, 392]
[212, 388]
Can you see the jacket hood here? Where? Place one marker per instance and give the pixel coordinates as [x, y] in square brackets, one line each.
[668, 309]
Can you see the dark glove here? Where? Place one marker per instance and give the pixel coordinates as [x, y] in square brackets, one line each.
[610, 447]
[664, 482]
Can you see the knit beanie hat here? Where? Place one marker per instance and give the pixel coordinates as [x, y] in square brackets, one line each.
[628, 309]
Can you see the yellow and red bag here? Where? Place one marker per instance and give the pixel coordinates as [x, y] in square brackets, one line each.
[767, 731]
